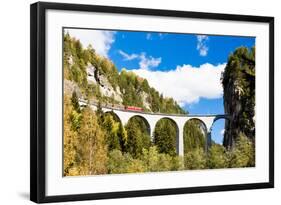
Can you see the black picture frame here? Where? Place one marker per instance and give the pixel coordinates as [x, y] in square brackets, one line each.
[38, 101]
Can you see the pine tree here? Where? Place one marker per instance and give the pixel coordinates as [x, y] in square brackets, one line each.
[75, 102]
[194, 135]
[137, 137]
[165, 137]
[111, 128]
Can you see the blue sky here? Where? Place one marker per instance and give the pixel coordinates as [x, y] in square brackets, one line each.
[174, 49]
[186, 67]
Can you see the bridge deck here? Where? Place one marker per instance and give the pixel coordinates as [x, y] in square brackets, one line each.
[153, 113]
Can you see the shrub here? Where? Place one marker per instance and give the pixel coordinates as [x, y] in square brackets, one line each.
[217, 157]
[243, 153]
[195, 159]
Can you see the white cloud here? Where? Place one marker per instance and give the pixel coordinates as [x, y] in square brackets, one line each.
[127, 56]
[186, 84]
[202, 44]
[145, 62]
[99, 39]
[148, 62]
[222, 132]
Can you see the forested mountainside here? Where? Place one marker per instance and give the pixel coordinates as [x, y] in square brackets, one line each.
[96, 77]
[239, 95]
[98, 143]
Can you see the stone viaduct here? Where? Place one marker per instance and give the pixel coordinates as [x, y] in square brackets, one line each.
[151, 120]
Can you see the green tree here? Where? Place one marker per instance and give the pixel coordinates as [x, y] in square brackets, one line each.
[145, 86]
[75, 120]
[75, 114]
[165, 136]
[137, 136]
[194, 135]
[75, 102]
[111, 127]
[78, 49]
[122, 136]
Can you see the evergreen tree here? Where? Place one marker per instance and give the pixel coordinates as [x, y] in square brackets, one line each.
[122, 136]
[75, 102]
[75, 114]
[194, 135]
[111, 128]
[137, 136]
[99, 111]
[165, 137]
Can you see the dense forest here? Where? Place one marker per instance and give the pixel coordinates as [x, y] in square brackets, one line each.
[97, 142]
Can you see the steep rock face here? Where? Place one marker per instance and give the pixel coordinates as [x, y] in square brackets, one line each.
[145, 101]
[91, 76]
[233, 107]
[239, 95]
[106, 89]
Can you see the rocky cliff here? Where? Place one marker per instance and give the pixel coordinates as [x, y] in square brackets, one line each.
[239, 95]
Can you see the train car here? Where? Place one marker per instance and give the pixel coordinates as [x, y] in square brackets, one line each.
[133, 108]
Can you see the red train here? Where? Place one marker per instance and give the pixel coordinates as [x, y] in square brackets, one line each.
[133, 108]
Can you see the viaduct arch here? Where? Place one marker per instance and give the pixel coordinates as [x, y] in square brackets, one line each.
[153, 118]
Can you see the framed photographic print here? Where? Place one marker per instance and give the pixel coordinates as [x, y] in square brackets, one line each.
[129, 102]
